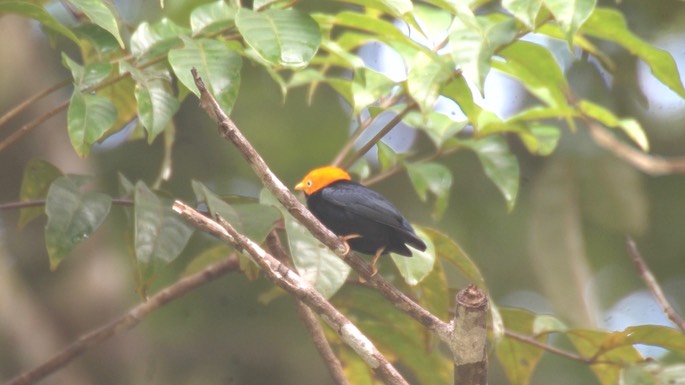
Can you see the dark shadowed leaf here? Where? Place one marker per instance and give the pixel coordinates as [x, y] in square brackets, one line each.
[88, 76]
[88, 119]
[38, 176]
[72, 216]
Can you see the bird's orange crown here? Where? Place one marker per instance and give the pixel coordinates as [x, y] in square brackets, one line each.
[320, 178]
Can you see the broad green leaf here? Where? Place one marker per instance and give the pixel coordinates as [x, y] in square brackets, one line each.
[653, 373]
[537, 70]
[571, 14]
[212, 17]
[88, 76]
[387, 157]
[88, 119]
[589, 343]
[425, 78]
[72, 216]
[38, 176]
[540, 138]
[433, 291]
[517, 358]
[149, 40]
[368, 86]
[610, 24]
[524, 10]
[395, 8]
[392, 331]
[379, 29]
[438, 126]
[217, 64]
[500, 165]
[473, 47]
[655, 335]
[100, 14]
[432, 177]
[121, 95]
[160, 235]
[630, 127]
[314, 262]
[206, 258]
[38, 13]
[458, 90]
[448, 250]
[286, 38]
[156, 102]
[417, 267]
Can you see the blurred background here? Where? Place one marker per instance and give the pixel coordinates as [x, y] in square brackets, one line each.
[560, 251]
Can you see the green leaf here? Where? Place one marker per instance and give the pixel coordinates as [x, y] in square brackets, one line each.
[432, 292]
[473, 47]
[500, 165]
[630, 127]
[88, 119]
[368, 86]
[425, 78]
[38, 176]
[100, 14]
[89, 76]
[438, 126]
[416, 268]
[72, 216]
[288, 38]
[314, 262]
[540, 139]
[122, 95]
[150, 40]
[207, 257]
[458, 90]
[524, 10]
[571, 14]
[537, 70]
[517, 358]
[432, 177]
[217, 64]
[610, 24]
[448, 250]
[387, 157]
[160, 235]
[589, 343]
[655, 335]
[212, 17]
[156, 102]
[36, 12]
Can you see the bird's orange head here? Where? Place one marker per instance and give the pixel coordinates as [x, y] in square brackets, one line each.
[320, 178]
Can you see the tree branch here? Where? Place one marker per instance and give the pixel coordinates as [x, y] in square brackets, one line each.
[230, 131]
[653, 285]
[126, 321]
[469, 337]
[7, 116]
[288, 280]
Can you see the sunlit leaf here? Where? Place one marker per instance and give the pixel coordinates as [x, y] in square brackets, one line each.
[449, 251]
[38, 13]
[368, 86]
[149, 40]
[438, 126]
[589, 343]
[653, 373]
[432, 177]
[100, 14]
[286, 38]
[570, 14]
[524, 10]
[73, 216]
[540, 139]
[500, 165]
[387, 157]
[160, 235]
[425, 78]
[88, 119]
[415, 268]
[88, 76]
[212, 17]
[314, 262]
[217, 64]
[630, 127]
[610, 24]
[38, 176]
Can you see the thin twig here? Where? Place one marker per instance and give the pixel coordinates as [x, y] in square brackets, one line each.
[653, 285]
[230, 131]
[281, 275]
[650, 164]
[309, 319]
[41, 202]
[26, 128]
[30, 100]
[126, 321]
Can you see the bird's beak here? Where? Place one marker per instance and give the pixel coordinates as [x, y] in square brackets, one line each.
[299, 186]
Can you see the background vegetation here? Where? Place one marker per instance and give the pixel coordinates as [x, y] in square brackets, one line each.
[536, 136]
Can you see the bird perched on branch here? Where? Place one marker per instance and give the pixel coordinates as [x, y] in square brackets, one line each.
[362, 218]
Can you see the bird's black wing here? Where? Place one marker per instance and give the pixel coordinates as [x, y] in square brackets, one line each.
[371, 205]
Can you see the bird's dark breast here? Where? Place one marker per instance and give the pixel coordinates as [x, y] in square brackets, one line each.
[343, 221]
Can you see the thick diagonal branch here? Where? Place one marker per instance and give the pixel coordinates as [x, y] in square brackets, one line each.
[285, 278]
